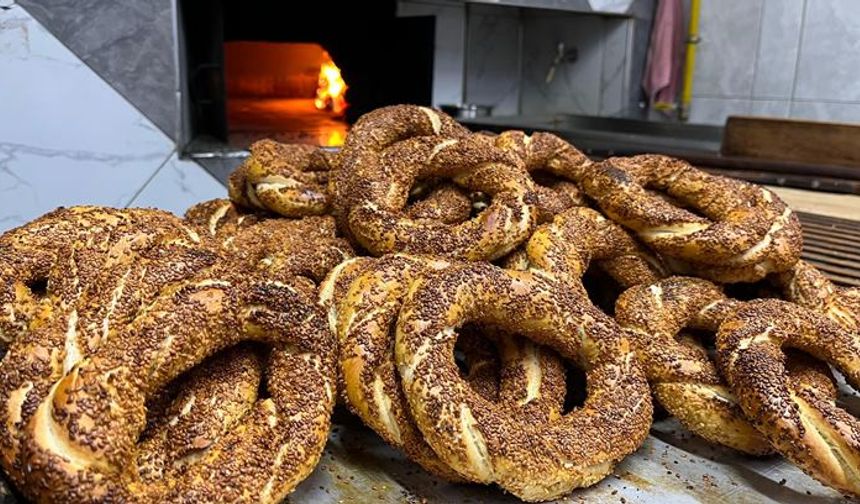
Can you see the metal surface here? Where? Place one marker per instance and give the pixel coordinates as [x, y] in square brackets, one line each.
[467, 110]
[671, 467]
[833, 246]
[612, 8]
[613, 136]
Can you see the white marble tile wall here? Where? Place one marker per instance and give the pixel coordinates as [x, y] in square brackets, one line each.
[67, 137]
[778, 58]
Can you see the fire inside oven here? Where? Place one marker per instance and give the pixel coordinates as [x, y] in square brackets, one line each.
[292, 72]
[293, 90]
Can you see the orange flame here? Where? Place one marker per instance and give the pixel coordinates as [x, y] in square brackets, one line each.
[331, 88]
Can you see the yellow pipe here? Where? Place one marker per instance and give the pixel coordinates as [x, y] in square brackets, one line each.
[690, 62]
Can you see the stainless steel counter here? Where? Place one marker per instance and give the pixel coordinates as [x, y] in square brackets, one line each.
[614, 136]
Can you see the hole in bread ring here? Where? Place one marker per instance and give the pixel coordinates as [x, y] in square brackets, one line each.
[683, 377]
[526, 379]
[488, 443]
[209, 401]
[445, 203]
[810, 430]
[740, 232]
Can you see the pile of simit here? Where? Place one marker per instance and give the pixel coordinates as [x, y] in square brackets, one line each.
[151, 358]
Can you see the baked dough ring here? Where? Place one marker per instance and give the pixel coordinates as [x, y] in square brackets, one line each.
[82, 460]
[487, 442]
[743, 233]
[375, 179]
[532, 380]
[287, 179]
[95, 284]
[369, 136]
[554, 164]
[27, 253]
[807, 286]
[75, 367]
[567, 246]
[810, 430]
[682, 376]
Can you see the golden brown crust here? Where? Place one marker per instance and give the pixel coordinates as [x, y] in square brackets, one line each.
[286, 179]
[808, 429]
[566, 247]
[405, 144]
[554, 165]
[532, 382]
[807, 286]
[29, 252]
[128, 308]
[682, 376]
[484, 441]
[741, 232]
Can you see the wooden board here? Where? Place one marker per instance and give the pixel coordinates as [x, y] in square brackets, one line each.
[792, 140]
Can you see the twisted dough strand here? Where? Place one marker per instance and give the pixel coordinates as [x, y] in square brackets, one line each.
[809, 429]
[744, 231]
[682, 376]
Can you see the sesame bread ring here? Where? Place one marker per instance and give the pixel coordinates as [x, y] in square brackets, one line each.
[554, 165]
[378, 221]
[811, 431]
[391, 148]
[532, 381]
[682, 376]
[369, 136]
[740, 233]
[286, 179]
[72, 458]
[807, 286]
[567, 246]
[487, 442]
[27, 253]
[94, 285]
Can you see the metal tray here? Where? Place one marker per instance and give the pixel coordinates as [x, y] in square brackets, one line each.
[671, 467]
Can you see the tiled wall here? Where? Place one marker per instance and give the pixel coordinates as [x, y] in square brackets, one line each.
[782, 58]
[597, 83]
[67, 137]
[129, 44]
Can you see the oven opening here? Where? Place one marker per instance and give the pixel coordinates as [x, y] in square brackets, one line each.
[295, 71]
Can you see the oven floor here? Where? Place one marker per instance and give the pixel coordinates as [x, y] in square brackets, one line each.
[288, 120]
